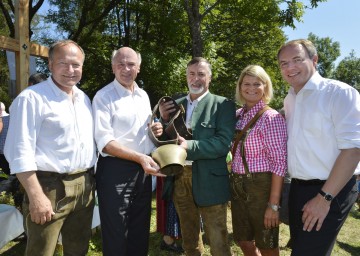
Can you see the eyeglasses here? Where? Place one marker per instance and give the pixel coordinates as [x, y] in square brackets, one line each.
[295, 62]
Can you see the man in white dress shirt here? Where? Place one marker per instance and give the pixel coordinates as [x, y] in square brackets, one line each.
[122, 115]
[323, 123]
[50, 147]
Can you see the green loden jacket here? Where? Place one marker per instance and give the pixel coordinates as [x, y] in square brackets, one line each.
[213, 127]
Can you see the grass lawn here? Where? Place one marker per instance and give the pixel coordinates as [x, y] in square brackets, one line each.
[348, 241]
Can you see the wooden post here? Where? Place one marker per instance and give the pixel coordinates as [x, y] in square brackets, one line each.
[21, 45]
[22, 35]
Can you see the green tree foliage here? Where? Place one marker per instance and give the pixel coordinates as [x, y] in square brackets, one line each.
[7, 28]
[4, 71]
[243, 33]
[348, 71]
[328, 52]
[8, 11]
[156, 29]
[230, 33]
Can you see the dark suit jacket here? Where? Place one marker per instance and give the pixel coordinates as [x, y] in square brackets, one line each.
[213, 126]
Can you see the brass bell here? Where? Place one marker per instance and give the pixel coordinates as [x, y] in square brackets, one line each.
[171, 159]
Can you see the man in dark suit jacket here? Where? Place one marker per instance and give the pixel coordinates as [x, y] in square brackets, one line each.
[202, 189]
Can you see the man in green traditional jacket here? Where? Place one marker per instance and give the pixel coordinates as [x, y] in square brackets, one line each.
[203, 189]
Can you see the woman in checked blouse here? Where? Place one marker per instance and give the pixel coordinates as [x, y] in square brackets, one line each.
[258, 166]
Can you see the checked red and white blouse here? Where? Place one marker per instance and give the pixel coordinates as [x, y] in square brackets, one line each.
[265, 145]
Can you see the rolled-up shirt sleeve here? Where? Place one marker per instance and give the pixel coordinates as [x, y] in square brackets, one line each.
[104, 133]
[275, 138]
[347, 118]
[20, 143]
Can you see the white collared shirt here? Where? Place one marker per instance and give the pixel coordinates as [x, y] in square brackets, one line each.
[48, 131]
[122, 116]
[191, 105]
[322, 118]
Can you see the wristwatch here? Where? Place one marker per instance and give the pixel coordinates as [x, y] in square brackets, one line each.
[274, 207]
[328, 197]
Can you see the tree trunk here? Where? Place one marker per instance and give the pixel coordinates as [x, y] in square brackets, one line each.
[194, 18]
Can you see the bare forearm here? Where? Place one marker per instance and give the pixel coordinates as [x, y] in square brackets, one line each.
[30, 183]
[276, 187]
[148, 164]
[115, 149]
[342, 170]
[40, 206]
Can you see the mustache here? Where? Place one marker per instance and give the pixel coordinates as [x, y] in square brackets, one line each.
[196, 84]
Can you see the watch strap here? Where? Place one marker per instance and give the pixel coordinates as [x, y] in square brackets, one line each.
[327, 196]
[274, 207]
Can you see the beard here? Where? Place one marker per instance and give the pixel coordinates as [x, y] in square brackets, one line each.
[196, 90]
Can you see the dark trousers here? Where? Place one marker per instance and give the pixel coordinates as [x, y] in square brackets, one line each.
[4, 165]
[124, 194]
[318, 243]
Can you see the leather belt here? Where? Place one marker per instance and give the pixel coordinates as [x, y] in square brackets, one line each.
[313, 182]
[238, 176]
[78, 172]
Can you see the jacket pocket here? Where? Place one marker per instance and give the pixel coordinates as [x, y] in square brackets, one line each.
[207, 129]
[221, 171]
[209, 124]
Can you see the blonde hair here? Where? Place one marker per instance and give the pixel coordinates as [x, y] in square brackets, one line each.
[260, 73]
[61, 43]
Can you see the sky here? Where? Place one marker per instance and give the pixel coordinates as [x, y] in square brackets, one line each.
[337, 19]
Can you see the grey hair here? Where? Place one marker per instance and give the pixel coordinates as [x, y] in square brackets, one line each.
[115, 52]
[197, 60]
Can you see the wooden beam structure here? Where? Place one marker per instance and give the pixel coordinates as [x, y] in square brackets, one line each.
[21, 45]
[13, 45]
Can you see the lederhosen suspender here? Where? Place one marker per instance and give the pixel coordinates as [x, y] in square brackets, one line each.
[241, 136]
